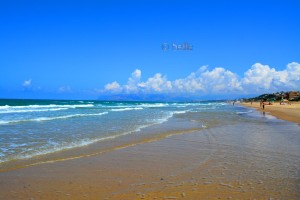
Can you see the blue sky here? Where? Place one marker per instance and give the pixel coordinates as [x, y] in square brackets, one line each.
[88, 49]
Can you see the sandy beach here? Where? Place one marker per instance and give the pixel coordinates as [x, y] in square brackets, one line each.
[231, 161]
[177, 167]
[289, 112]
[221, 152]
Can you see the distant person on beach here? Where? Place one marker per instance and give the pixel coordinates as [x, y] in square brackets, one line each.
[263, 105]
[233, 103]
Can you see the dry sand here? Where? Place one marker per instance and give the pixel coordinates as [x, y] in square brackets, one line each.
[285, 112]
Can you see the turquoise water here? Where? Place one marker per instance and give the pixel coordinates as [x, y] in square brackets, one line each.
[29, 128]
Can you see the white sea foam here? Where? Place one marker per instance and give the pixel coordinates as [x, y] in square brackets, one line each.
[149, 117]
[186, 104]
[181, 106]
[5, 107]
[39, 108]
[197, 104]
[181, 112]
[31, 110]
[66, 116]
[125, 109]
[56, 147]
[245, 112]
[143, 105]
[51, 118]
[168, 116]
[114, 106]
[46, 106]
[7, 121]
[153, 105]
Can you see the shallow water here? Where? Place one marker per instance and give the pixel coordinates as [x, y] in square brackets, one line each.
[35, 127]
[30, 128]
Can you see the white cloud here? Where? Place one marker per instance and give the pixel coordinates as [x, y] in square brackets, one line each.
[27, 83]
[190, 84]
[114, 86]
[133, 81]
[220, 80]
[157, 83]
[258, 78]
[262, 78]
[217, 80]
[293, 75]
[137, 74]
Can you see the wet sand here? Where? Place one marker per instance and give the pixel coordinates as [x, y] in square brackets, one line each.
[286, 112]
[215, 163]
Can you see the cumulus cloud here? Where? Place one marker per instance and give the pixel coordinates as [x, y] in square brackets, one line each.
[114, 86]
[263, 78]
[27, 83]
[293, 75]
[157, 83]
[133, 81]
[136, 74]
[219, 80]
[214, 81]
[259, 78]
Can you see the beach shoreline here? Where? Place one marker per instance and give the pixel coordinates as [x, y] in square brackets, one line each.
[288, 112]
[170, 168]
[220, 162]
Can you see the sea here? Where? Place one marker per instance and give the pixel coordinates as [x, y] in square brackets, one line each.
[33, 128]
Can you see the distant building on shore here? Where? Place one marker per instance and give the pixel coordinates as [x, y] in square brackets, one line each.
[281, 95]
[278, 96]
[294, 95]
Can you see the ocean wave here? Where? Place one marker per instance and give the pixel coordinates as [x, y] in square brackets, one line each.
[244, 112]
[67, 116]
[50, 118]
[197, 104]
[46, 106]
[181, 105]
[168, 116]
[40, 108]
[125, 109]
[143, 105]
[48, 149]
[181, 112]
[153, 105]
[31, 110]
